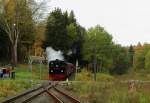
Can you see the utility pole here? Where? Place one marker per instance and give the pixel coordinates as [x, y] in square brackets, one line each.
[30, 69]
[76, 66]
[95, 59]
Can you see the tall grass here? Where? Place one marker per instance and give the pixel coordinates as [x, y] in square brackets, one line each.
[85, 75]
[25, 72]
[12, 87]
[24, 75]
[111, 92]
[110, 89]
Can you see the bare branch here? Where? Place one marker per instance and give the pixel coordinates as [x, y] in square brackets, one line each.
[5, 26]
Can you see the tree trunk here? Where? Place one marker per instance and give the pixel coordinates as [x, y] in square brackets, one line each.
[14, 55]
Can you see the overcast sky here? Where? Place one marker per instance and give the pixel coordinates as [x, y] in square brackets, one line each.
[127, 20]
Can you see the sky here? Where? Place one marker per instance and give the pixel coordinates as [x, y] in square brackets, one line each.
[128, 21]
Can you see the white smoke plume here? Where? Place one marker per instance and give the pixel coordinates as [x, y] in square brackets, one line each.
[53, 55]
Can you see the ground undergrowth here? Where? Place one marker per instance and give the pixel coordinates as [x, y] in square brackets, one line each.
[10, 88]
[128, 88]
[111, 89]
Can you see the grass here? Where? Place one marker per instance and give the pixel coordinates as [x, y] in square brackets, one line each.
[88, 76]
[111, 92]
[111, 89]
[107, 88]
[12, 87]
[24, 75]
[25, 72]
[135, 75]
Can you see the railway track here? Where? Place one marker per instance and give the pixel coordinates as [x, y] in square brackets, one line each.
[61, 96]
[47, 93]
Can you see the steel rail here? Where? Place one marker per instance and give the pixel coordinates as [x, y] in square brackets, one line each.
[54, 97]
[17, 97]
[34, 96]
[9, 100]
[43, 91]
[46, 89]
[67, 95]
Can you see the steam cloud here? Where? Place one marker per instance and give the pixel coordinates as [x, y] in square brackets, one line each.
[53, 55]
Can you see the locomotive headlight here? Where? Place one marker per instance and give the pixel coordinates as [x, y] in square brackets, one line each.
[51, 71]
[62, 71]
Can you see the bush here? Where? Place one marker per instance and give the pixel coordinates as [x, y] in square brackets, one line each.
[13, 87]
[84, 75]
[104, 77]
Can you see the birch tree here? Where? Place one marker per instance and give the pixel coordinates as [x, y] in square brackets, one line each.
[14, 14]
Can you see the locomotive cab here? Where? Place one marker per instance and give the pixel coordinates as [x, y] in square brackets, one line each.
[57, 70]
[60, 70]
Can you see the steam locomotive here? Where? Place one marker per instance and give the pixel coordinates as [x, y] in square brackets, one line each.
[60, 70]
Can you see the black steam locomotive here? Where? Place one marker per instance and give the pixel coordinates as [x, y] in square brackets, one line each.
[60, 70]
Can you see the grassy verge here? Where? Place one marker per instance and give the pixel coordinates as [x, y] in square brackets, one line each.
[111, 92]
[25, 72]
[88, 76]
[110, 89]
[12, 87]
[24, 75]
[135, 75]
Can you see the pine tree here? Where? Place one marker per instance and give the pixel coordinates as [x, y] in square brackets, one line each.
[131, 55]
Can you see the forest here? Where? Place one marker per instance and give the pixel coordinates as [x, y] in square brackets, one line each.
[24, 33]
[103, 72]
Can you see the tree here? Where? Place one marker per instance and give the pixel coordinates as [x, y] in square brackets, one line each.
[97, 46]
[147, 61]
[72, 29]
[120, 60]
[62, 31]
[140, 54]
[8, 20]
[16, 19]
[72, 17]
[56, 33]
[4, 46]
[77, 34]
[131, 55]
[139, 59]
[40, 37]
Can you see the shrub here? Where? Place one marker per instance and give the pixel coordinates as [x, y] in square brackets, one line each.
[104, 77]
[84, 75]
[12, 87]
